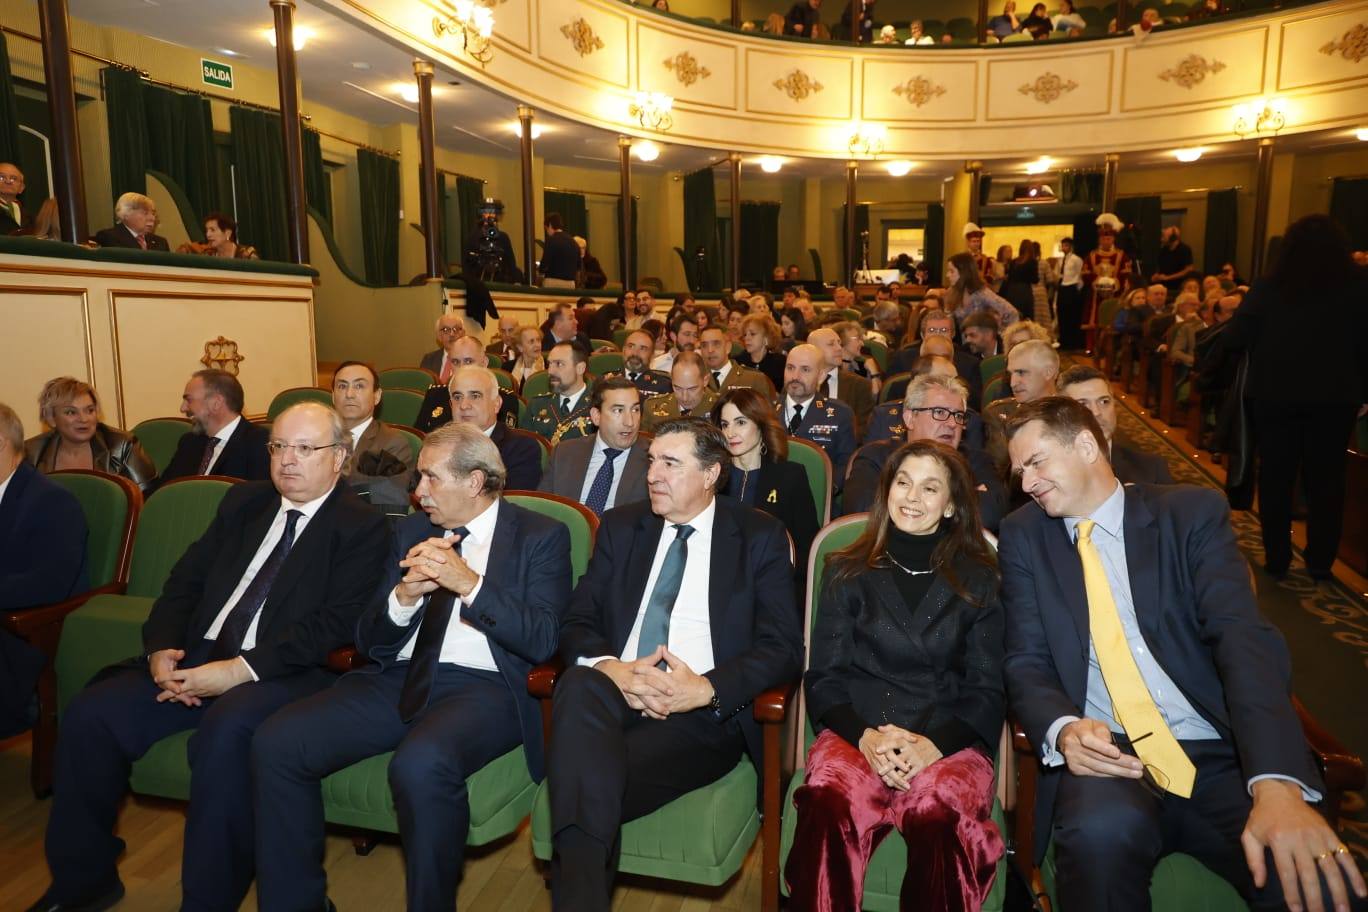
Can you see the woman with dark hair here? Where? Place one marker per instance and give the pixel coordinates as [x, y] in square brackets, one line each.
[760, 337]
[904, 683]
[656, 329]
[1311, 303]
[1023, 273]
[1037, 24]
[793, 327]
[966, 292]
[606, 319]
[220, 236]
[761, 475]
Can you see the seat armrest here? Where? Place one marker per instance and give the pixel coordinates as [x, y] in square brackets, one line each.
[345, 659]
[541, 680]
[25, 621]
[1020, 743]
[772, 705]
[1343, 771]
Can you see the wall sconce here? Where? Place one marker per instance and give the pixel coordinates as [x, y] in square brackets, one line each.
[867, 140]
[474, 23]
[1267, 115]
[770, 164]
[652, 111]
[646, 150]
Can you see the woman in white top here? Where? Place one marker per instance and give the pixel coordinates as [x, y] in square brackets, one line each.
[1066, 19]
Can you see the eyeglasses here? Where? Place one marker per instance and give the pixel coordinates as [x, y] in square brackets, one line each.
[7, 179]
[941, 413]
[937, 330]
[303, 450]
[450, 330]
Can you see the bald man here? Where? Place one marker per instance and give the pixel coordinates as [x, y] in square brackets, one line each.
[435, 411]
[505, 344]
[806, 412]
[449, 330]
[689, 395]
[837, 383]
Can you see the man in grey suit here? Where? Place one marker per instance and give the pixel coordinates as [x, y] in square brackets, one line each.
[449, 330]
[609, 468]
[382, 459]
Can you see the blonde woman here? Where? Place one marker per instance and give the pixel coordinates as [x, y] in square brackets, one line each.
[77, 439]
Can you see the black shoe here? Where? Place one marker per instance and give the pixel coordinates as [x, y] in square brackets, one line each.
[105, 899]
[1320, 576]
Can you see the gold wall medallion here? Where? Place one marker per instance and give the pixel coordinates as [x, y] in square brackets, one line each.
[798, 85]
[1191, 70]
[1048, 87]
[1352, 46]
[686, 68]
[581, 35]
[919, 90]
[222, 354]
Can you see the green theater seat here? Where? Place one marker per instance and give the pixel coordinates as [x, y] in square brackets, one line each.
[407, 378]
[817, 464]
[160, 437]
[286, 398]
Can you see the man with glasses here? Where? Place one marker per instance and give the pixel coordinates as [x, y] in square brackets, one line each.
[935, 408]
[940, 324]
[243, 626]
[11, 185]
[450, 329]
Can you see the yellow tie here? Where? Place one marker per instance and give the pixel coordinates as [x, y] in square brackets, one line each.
[1132, 705]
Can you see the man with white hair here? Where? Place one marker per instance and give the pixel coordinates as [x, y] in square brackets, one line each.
[436, 409]
[449, 330]
[135, 218]
[1032, 368]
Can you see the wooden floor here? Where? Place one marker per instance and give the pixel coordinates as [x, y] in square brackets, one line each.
[503, 877]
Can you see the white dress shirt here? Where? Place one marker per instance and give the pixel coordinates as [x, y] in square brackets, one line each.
[573, 397]
[832, 384]
[357, 431]
[596, 458]
[663, 362]
[263, 551]
[1071, 270]
[790, 402]
[723, 373]
[224, 434]
[5, 484]
[463, 644]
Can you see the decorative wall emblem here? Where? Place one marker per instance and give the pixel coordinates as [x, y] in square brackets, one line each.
[1353, 46]
[798, 85]
[919, 90]
[1048, 87]
[222, 354]
[1191, 70]
[581, 35]
[686, 69]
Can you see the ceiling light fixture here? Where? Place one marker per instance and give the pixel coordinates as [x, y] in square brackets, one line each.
[302, 36]
[866, 140]
[652, 110]
[474, 23]
[770, 164]
[227, 52]
[898, 168]
[1187, 155]
[1361, 134]
[1040, 165]
[407, 91]
[646, 150]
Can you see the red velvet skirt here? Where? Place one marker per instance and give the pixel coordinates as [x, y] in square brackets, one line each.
[845, 811]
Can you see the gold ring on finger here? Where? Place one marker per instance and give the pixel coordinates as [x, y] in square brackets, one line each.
[1341, 849]
[1324, 855]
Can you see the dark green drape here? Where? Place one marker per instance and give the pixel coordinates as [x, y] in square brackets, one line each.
[1085, 233]
[180, 144]
[1222, 230]
[259, 163]
[636, 233]
[9, 110]
[469, 197]
[317, 187]
[700, 226]
[1145, 213]
[985, 185]
[1081, 187]
[379, 177]
[129, 155]
[759, 241]
[1349, 207]
[933, 241]
[861, 226]
[572, 210]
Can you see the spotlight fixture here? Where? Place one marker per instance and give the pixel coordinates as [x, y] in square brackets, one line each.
[408, 91]
[770, 164]
[302, 36]
[1266, 115]
[516, 127]
[652, 111]
[646, 150]
[1040, 165]
[898, 168]
[1187, 155]
[474, 24]
[866, 140]
[1361, 134]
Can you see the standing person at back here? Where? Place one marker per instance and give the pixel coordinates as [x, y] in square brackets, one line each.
[220, 441]
[560, 260]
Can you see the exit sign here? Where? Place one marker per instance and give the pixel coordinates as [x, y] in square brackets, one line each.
[216, 74]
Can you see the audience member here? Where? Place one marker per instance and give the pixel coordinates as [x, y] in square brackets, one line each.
[760, 339]
[1023, 331]
[475, 401]
[221, 239]
[1174, 263]
[855, 358]
[11, 210]
[904, 683]
[1032, 368]
[1037, 24]
[449, 330]
[937, 324]
[591, 274]
[887, 35]
[683, 337]
[1023, 272]
[560, 260]
[563, 413]
[637, 353]
[381, 458]
[1068, 20]
[916, 34]
[1088, 386]
[243, 626]
[470, 602]
[77, 439]
[837, 383]
[807, 412]
[725, 373]
[220, 441]
[1186, 325]
[639, 306]
[864, 34]
[587, 469]
[1195, 709]
[980, 335]
[528, 360]
[968, 293]
[802, 17]
[504, 346]
[135, 218]
[720, 616]
[1005, 23]
[792, 328]
[690, 394]
[563, 326]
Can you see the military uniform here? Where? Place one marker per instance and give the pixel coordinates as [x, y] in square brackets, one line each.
[436, 408]
[544, 416]
[662, 408]
[830, 424]
[648, 382]
[740, 376]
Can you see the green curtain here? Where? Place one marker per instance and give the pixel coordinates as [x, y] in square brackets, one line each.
[1222, 230]
[180, 144]
[700, 226]
[861, 226]
[129, 152]
[1085, 233]
[572, 209]
[9, 110]
[759, 241]
[259, 163]
[469, 197]
[1146, 214]
[379, 177]
[636, 233]
[1081, 187]
[933, 241]
[1349, 207]
[317, 187]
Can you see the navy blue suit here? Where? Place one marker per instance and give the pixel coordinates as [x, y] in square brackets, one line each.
[42, 542]
[521, 456]
[473, 717]
[243, 456]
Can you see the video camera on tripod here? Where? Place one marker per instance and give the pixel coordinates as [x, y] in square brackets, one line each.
[487, 251]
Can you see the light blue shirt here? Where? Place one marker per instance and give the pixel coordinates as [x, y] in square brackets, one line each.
[595, 462]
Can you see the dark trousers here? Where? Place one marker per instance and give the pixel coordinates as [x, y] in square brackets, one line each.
[1110, 833]
[112, 723]
[1311, 439]
[608, 764]
[1069, 313]
[470, 720]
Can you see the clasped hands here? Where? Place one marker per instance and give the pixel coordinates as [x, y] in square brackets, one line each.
[656, 693]
[192, 686]
[896, 755]
[431, 564]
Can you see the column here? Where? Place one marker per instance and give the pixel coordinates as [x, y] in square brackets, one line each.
[1263, 189]
[1122, 15]
[982, 22]
[296, 205]
[528, 203]
[431, 222]
[855, 21]
[67, 181]
[736, 13]
[734, 161]
[625, 244]
[975, 170]
[851, 241]
[1110, 168]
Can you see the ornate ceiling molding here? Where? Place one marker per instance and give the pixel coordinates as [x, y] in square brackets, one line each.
[1048, 87]
[581, 35]
[1352, 46]
[1191, 70]
[798, 85]
[919, 90]
[686, 69]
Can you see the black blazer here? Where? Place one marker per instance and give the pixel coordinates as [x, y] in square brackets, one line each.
[756, 626]
[521, 456]
[1132, 466]
[42, 542]
[119, 236]
[7, 223]
[934, 668]
[782, 491]
[966, 365]
[772, 366]
[244, 455]
[1197, 613]
[325, 583]
[517, 608]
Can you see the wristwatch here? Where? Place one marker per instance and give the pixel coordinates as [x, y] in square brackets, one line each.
[715, 704]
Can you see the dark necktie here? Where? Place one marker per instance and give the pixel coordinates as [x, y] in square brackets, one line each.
[209, 446]
[655, 626]
[717, 379]
[634, 377]
[796, 420]
[427, 651]
[603, 483]
[565, 405]
[239, 620]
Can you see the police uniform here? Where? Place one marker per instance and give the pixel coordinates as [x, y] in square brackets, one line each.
[830, 424]
[663, 408]
[886, 423]
[648, 382]
[544, 416]
[436, 408]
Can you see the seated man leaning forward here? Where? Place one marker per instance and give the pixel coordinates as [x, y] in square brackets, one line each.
[470, 600]
[243, 626]
[686, 614]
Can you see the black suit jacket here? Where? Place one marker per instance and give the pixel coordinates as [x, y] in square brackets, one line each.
[521, 456]
[1132, 466]
[119, 236]
[756, 626]
[782, 491]
[549, 341]
[42, 542]
[966, 365]
[517, 608]
[1196, 610]
[7, 223]
[325, 583]
[244, 455]
[862, 485]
